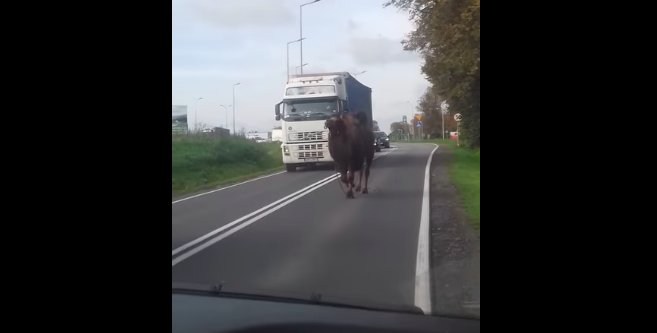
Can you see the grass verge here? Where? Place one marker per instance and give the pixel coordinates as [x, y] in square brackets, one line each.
[464, 172]
[199, 162]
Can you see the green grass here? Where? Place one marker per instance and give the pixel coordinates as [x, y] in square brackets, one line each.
[464, 172]
[200, 162]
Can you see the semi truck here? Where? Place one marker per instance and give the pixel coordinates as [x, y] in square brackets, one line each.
[310, 99]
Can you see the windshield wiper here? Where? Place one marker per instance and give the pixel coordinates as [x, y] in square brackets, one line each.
[220, 290]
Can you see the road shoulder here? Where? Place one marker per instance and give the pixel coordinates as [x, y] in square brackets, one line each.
[455, 246]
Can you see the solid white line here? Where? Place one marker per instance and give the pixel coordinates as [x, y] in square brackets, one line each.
[422, 272]
[262, 177]
[223, 188]
[250, 221]
[231, 224]
[216, 231]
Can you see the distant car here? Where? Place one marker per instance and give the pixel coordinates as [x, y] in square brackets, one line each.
[382, 139]
[377, 145]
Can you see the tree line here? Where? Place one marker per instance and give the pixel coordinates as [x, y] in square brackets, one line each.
[447, 37]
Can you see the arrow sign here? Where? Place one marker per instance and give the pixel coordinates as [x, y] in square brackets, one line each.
[444, 107]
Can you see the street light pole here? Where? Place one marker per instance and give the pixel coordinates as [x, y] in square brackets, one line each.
[295, 68]
[301, 29]
[288, 57]
[225, 110]
[196, 114]
[236, 84]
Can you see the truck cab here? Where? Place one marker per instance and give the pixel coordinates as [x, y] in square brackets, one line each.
[308, 101]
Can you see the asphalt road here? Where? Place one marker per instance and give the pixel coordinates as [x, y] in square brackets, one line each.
[313, 242]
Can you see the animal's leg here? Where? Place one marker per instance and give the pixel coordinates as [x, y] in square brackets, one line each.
[343, 177]
[360, 180]
[367, 172]
[350, 185]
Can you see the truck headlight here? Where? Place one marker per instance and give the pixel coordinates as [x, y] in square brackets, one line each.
[286, 150]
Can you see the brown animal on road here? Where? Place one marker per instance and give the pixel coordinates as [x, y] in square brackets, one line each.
[351, 144]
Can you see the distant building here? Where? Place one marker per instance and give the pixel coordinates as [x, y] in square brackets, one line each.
[259, 136]
[221, 132]
[179, 119]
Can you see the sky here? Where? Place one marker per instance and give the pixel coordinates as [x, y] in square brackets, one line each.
[217, 43]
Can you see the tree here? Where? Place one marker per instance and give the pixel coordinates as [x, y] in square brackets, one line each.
[447, 36]
[433, 118]
[399, 129]
[399, 126]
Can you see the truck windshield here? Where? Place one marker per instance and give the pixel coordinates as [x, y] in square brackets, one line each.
[309, 110]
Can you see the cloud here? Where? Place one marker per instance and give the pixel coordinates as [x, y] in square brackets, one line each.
[366, 51]
[259, 13]
[351, 25]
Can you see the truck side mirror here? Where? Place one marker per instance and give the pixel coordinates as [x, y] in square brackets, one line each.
[277, 111]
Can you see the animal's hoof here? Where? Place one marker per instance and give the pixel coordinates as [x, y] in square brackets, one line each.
[350, 194]
[358, 189]
[365, 191]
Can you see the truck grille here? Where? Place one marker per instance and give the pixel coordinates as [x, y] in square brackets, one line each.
[311, 154]
[313, 146]
[308, 136]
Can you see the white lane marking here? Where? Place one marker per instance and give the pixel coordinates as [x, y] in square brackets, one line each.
[250, 221]
[422, 272]
[216, 231]
[223, 188]
[233, 223]
[262, 177]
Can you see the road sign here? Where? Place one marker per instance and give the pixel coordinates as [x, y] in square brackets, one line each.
[458, 117]
[444, 107]
[418, 124]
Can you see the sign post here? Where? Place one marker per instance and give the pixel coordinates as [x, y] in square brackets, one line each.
[419, 117]
[443, 110]
[458, 117]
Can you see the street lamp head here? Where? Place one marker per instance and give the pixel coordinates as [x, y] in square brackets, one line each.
[308, 3]
[237, 84]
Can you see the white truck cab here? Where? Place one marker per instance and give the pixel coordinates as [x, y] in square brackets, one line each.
[308, 101]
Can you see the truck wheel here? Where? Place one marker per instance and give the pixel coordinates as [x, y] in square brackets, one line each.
[290, 167]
